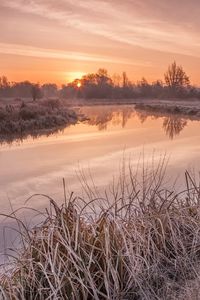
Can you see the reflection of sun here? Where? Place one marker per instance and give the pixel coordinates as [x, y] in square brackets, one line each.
[79, 84]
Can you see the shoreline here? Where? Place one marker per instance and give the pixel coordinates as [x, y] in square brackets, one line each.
[18, 120]
[150, 242]
[21, 119]
[181, 110]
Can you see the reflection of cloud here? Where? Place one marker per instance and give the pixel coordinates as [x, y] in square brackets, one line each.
[173, 125]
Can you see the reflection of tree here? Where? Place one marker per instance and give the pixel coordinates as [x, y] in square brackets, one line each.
[99, 119]
[19, 138]
[142, 115]
[126, 115]
[102, 116]
[173, 125]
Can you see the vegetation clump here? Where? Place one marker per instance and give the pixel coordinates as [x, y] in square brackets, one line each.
[141, 243]
[22, 118]
[170, 108]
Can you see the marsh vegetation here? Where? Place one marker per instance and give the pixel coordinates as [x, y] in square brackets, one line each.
[19, 119]
[140, 241]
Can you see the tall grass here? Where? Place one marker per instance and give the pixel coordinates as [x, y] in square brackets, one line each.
[20, 119]
[140, 241]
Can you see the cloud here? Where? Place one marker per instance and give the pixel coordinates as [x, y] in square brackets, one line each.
[24, 50]
[132, 23]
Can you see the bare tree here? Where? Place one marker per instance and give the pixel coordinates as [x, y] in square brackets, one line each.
[125, 80]
[4, 83]
[116, 79]
[176, 78]
[36, 92]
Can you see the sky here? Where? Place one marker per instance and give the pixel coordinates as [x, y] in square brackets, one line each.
[60, 40]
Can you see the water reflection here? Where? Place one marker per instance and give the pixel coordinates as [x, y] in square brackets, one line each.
[106, 117]
[173, 125]
[19, 138]
[119, 116]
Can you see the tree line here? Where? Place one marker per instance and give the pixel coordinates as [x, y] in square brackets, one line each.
[176, 84]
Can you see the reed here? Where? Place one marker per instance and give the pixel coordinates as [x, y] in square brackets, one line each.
[141, 241]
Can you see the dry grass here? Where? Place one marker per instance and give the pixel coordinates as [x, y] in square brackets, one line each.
[20, 119]
[145, 245]
[190, 111]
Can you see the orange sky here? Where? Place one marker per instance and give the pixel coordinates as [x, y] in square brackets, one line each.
[59, 40]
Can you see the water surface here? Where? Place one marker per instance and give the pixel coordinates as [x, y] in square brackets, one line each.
[97, 146]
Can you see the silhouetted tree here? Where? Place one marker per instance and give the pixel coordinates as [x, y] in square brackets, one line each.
[127, 87]
[157, 89]
[4, 83]
[96, 85]
[145, 89]
[116, 79]
[176, 78]
[125, 80]
[36, 92]
[49, 90]
[101, 85]
[22, 89]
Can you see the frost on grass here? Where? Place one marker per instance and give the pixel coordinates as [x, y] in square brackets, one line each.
[20, 119]
[140, 241]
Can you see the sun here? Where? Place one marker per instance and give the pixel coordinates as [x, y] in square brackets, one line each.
[79, 84]
[71, 76]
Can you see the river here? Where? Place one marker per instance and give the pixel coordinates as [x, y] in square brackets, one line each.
[93, 151]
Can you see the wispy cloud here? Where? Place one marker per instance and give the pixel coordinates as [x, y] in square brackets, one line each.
[141, 37]
[116, 22]
[24, 50]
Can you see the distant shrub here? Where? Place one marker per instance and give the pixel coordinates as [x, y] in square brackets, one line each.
[51, 103]
[26, 113]
[24, 117]
[3, 114]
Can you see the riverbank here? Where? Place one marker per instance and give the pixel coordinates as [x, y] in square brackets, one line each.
[124, 101]
[186, 109]
[142, 243]
[19, 119]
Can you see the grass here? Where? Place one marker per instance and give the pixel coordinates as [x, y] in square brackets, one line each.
[191, 111]
[140, 241]
[20, 119]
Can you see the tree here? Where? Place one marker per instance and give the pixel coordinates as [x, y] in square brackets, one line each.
[125, 80]
[4, 83]
[145, 88]
[5, 87]
[176, 78]
[49, 90]
[116, 79]
[36, 92]
[157, 89]
[96, 85]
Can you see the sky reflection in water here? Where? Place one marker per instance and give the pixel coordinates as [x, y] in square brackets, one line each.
[37, 165]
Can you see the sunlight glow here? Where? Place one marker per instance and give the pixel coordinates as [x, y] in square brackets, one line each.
[71, 76]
